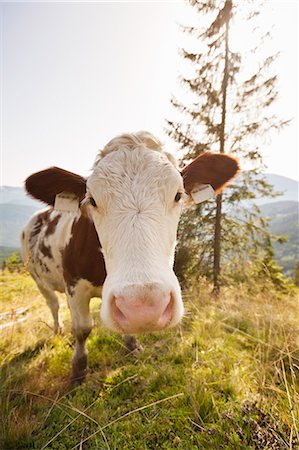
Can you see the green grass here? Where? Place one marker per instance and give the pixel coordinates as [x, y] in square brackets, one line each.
[226, 378]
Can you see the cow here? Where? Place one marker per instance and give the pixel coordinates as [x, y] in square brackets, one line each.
[116, 231]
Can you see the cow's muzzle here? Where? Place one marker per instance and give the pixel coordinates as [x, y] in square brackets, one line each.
[143, 308]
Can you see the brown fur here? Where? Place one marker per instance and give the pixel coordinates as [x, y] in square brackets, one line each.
[210, 168]
[82, 257]
[41, 220]
[52, 224]
[46, 251]
[45, 185]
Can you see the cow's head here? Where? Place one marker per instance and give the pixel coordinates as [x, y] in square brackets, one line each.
[135, 196]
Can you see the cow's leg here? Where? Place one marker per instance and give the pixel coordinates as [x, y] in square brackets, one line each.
[53, 303]
[131, 343]
[81, 326]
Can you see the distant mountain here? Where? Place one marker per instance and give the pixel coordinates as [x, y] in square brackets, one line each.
[280, 210]
[17, 196]
[284, 221]
[283, 212]
[288, 187]
[16, 207]
[13, 218]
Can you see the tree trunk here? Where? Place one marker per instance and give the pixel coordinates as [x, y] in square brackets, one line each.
[217, 231]
[217, 247]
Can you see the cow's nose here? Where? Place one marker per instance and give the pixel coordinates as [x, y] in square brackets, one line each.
[135, 314]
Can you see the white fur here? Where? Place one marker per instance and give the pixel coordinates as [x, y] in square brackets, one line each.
[136, 217]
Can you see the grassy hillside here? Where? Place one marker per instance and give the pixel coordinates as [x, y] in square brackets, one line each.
[224, 379]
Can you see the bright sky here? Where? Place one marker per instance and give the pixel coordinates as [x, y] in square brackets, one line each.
[74, 75]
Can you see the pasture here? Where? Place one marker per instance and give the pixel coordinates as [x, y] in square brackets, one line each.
[225, 378]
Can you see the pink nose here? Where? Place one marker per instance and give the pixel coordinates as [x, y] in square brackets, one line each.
[139, 313]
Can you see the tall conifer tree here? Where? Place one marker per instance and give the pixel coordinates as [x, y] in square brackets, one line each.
[230, 112]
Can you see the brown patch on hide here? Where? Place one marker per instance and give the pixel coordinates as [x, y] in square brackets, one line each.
[46, 251]
[210, 168]
[41, 220]
[52, 225]
[45, 185]
[82, 257]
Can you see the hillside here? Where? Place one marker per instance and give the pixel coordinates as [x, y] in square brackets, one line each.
[16, 196]
[284, 221]
[15, 210]
[288, 188]
[13, 218]
[225, 379]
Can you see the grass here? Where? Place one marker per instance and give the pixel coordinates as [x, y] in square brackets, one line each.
[226, 378]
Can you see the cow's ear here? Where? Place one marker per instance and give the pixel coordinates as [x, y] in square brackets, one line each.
[213, 169]
[45, 185]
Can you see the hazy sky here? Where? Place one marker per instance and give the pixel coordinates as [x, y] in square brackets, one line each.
[74, 75]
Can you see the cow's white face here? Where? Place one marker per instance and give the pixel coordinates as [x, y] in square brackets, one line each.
[135, 203]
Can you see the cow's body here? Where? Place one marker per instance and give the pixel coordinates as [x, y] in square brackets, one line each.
[131, 204]
[58, 247]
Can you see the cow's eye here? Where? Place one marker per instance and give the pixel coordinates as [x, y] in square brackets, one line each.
[92, 201]
[178, 197]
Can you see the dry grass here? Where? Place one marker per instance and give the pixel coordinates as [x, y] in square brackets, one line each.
[227, 378]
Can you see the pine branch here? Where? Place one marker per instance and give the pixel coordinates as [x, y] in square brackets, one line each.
[223, 17]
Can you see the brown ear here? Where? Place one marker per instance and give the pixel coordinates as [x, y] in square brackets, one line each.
[45, 185]
[215, 169]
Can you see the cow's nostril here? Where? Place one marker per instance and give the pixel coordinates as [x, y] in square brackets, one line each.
[167, 314]
[118, 314]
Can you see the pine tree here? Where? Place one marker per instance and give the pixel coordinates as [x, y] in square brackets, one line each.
[267, 269]
[230, 112]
